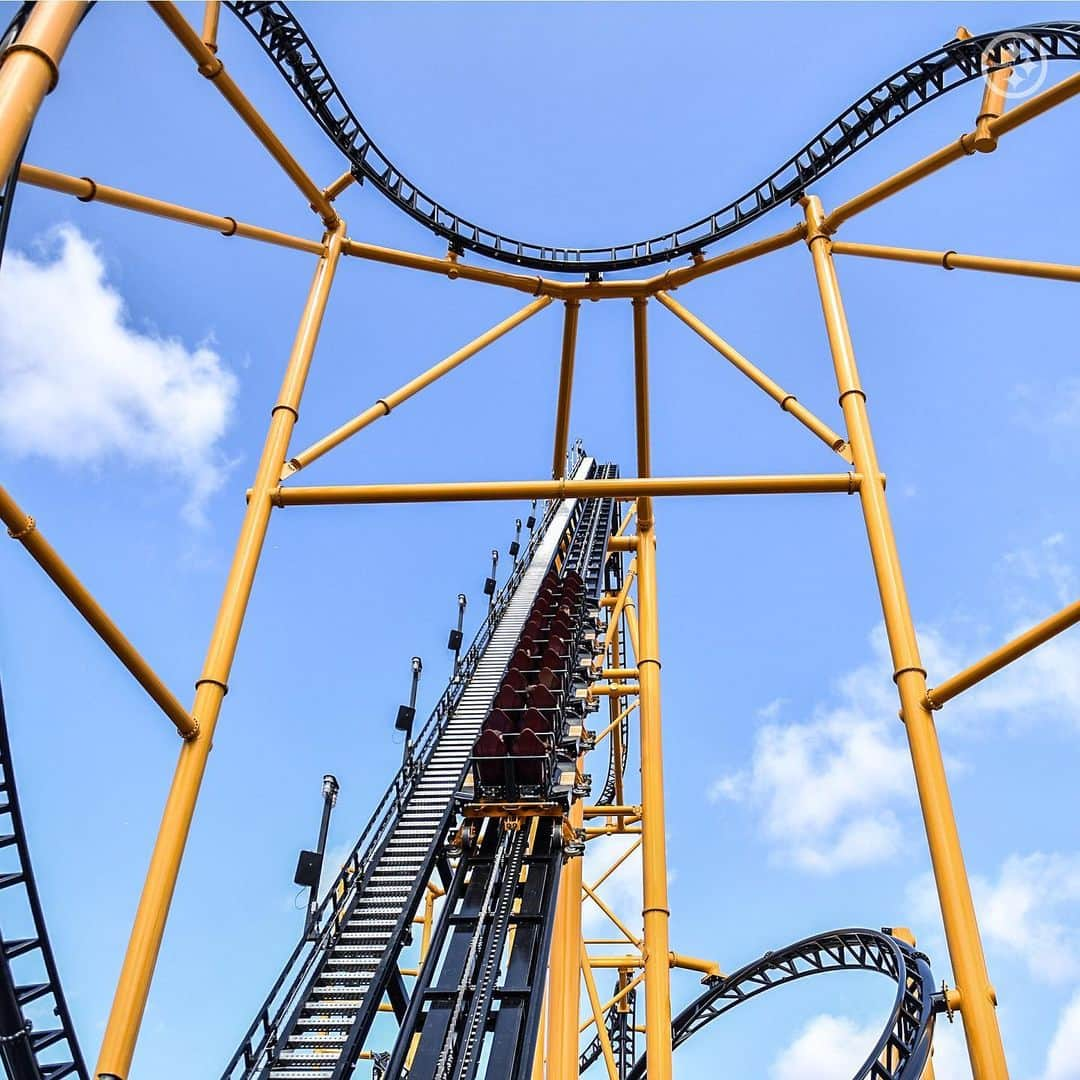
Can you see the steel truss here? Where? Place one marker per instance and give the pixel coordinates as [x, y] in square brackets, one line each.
[627, 661]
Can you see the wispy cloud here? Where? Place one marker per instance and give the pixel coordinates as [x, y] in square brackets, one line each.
[827, 788]
[827, 1047]
[1031, 910]
[1063, 1057]
[82, 385]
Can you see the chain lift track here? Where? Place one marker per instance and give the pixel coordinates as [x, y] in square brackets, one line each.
[29, 981]
[956, 63]
[476, 1009]
[319, 1011]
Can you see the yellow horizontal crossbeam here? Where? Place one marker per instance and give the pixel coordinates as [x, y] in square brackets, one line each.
[954, 260]
[621, 488]
[86, 190]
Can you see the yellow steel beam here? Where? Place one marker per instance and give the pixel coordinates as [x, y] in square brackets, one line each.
[929, 165]
[709, 968]
[614, 919]
[565, 1003]
[534, 284]
[334, 189]
[566, 386]
[133, 987]
[952, 260]
[385, 405]
[598, 1015]
[629, 516]
[616, 864]
[624, 289]
[620, 598]
[614, 690]
[22, 527]
[211, 18]
[622, 487]
[655, 912]
[788, 402]
[954, 891]
[640, 308]
[613, 810]
[86, 190]
[965, 146]
[995, 93]
[615, 725]
[672, 279]
[621, 993]
[617, 716]
[214, 70]
[30, 69]
[999, 658]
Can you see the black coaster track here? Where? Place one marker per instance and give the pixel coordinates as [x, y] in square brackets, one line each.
[29, 981]
[903, 1048]
[956, 63]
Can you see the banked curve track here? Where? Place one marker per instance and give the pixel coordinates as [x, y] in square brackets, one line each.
[290, 48]
[903, 1047]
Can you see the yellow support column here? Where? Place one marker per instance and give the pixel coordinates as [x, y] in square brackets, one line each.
[133, 987]
[977, 999]
[31, 68]
[654, 842]
[564, 987]
[566, 389]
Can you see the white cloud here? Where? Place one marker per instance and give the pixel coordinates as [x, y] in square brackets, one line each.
[621, 891]
[1031, 910]
[1063, 1057]
[827, 788]
[772, 710]
[828, 1047]
[81, 385]
[950, 1051]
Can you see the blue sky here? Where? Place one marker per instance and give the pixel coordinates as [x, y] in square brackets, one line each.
[141, 359]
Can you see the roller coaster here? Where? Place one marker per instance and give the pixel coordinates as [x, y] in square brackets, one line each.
[479, 838]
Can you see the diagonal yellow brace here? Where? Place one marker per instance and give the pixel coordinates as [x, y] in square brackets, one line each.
[999, 658]
[212, 69]
[384, 405]
[23, 528]
[788, 402]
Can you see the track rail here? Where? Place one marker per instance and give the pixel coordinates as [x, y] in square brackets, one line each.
[903, 1048]
[29, 980]
[954, 64]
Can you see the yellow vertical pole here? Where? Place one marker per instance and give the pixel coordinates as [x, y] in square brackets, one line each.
[977, 998]
[615, 706]
[557, 977]
[566, 388]
[30, 69]
[211, 18]
[564, 987]
[133, 987]
[653, 841]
